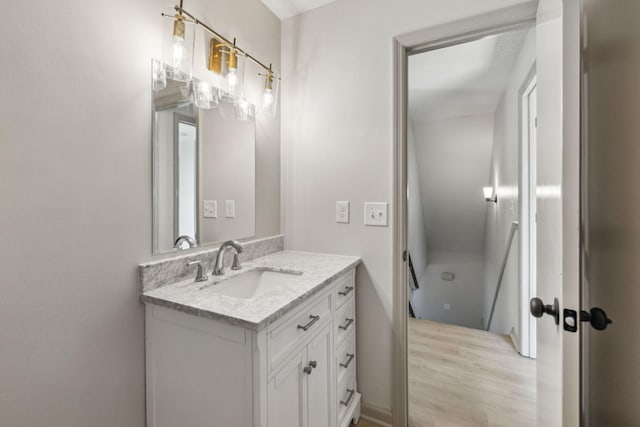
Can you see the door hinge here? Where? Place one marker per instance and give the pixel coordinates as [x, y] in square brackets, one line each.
[404, 256]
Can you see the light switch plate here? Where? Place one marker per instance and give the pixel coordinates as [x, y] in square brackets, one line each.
[210, 208]
[230, 208]
[375, 213]
[342, 212]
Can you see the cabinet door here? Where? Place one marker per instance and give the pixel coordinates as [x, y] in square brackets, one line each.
[319, 384]
[287, 394]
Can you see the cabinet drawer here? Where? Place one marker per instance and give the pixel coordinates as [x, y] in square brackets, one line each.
[345, 321]
[346, 393]
[346, 357]
[344, 288]
[292, 332]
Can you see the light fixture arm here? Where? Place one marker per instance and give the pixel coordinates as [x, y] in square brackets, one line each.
[226, 41]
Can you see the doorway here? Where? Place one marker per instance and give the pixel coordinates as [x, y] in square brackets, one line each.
[470, 132]
[557, 78]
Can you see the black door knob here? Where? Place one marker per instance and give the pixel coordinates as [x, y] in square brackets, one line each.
[597, 317]
[538, 308]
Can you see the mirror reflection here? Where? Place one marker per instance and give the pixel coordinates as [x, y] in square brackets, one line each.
[203, 171]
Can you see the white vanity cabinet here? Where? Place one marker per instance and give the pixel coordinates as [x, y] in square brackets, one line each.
[297, 371]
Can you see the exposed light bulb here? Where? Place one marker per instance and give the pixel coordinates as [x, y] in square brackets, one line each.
[179, 53]
[232, 82]
[267, 98]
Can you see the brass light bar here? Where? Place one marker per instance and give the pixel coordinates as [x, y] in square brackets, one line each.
[221, 38]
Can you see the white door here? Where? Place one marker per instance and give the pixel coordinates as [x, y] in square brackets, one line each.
[557, 200]
[319, 402]
[287, 394]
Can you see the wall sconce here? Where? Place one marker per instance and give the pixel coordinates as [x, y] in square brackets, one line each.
[490, 195]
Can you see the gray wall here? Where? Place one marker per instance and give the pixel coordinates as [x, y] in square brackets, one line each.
[227, 168]
[338, 145]
[75, 200]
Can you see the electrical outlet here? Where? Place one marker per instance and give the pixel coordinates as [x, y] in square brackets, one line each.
[230, 208]
[210, 208]
[375, 213]
[342, 212]
[447, 307]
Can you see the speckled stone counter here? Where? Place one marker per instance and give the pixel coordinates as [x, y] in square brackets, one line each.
[318, 270]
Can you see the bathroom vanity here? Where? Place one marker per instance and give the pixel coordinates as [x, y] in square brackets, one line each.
[271, 345]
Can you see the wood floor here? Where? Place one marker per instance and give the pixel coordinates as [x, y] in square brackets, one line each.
[461, 377]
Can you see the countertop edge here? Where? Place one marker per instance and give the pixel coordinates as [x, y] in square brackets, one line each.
[255, 326]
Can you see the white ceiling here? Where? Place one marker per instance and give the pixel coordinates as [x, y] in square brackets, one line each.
[462, 80]
[284, 9]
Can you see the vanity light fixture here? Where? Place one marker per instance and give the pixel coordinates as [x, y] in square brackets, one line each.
[490, 195]
[228, 60]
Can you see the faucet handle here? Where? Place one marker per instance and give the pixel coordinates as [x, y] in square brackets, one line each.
[236, 262]
[201, 276]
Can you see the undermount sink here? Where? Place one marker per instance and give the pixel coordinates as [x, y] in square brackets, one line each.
[252, 283]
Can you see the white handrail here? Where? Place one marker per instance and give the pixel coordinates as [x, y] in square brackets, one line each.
[514, 227]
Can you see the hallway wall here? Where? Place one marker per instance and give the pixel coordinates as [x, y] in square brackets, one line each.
[504, 172]
[464, 294]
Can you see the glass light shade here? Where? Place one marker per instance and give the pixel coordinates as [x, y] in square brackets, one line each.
[234, 77]
[269, 105]
[205, 96]
[159, 73]
[245, 111]
[178, 36]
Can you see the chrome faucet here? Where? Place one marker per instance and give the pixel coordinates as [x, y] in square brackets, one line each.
[184, 238]
[201, 276]
[218, 268]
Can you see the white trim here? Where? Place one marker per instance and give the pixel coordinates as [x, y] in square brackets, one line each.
[432, 38]
[527, 235]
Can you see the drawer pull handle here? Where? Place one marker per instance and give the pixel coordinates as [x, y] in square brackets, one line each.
[346, 325]
[348, 401]
[313, 320]
[346, 291]
[346, 364]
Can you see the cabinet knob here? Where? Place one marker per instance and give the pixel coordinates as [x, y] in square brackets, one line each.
[307, 370]
[313, 364]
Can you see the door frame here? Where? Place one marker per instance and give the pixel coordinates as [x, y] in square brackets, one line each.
[437, 37]
[527, 201]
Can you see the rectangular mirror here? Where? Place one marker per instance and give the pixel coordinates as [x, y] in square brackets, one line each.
[203, 171]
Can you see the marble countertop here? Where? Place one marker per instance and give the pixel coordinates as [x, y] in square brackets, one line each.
[200, 298]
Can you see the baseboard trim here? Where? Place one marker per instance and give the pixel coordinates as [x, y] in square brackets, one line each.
[514, 340]
[376, 414]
